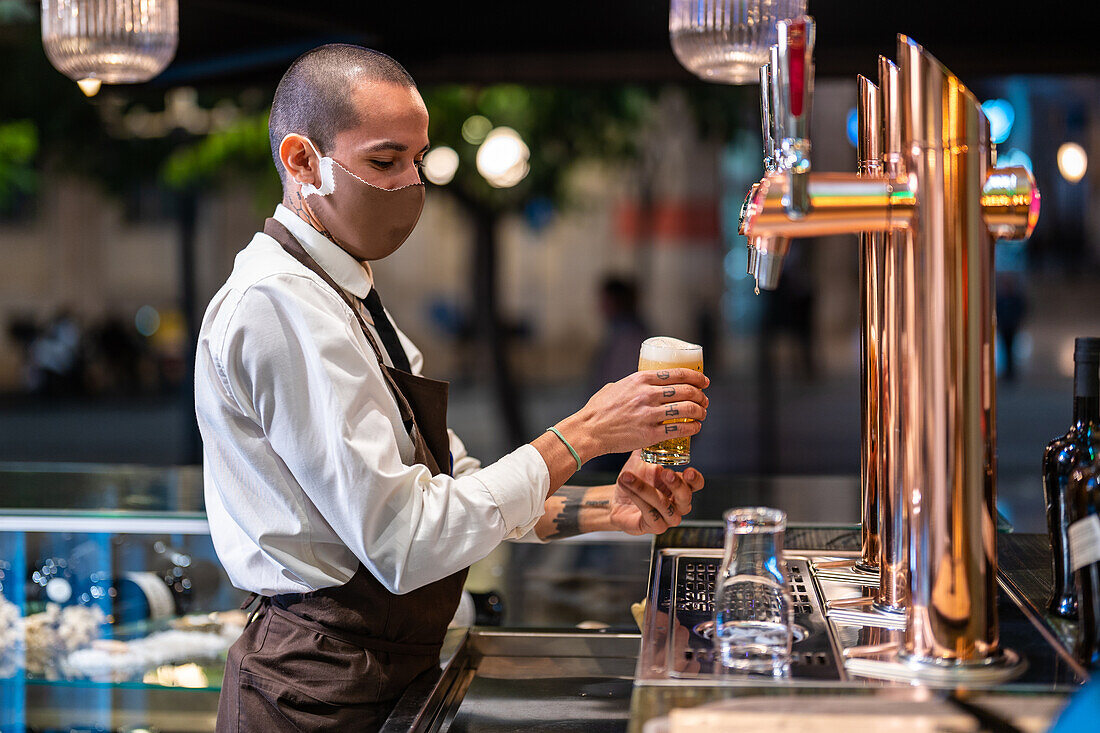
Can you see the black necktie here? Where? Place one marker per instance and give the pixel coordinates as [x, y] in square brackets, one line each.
[386, 330]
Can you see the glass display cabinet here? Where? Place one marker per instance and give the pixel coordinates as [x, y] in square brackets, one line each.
[114, 611]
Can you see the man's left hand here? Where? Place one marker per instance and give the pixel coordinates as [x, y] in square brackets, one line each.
[650, 498]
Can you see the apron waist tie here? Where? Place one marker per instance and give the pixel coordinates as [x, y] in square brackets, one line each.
[358, 640]
[252, 598]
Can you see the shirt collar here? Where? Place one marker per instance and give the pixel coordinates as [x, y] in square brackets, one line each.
[350, 274]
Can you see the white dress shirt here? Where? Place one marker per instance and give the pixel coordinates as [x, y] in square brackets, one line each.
[308, 469]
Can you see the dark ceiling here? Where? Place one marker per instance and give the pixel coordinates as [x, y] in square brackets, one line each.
[570, 41]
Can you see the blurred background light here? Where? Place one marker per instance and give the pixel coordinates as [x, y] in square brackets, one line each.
[1072, 162]
[440, 165]
[1013, 157]
[1001, 116]
[502, 158]
[475, 128]
[147, 320]
[852, 126]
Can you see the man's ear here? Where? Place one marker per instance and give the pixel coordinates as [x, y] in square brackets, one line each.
[301, 163]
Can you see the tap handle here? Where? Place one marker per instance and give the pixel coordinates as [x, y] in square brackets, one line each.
[796, 57]
[795, 52]
[766, 118]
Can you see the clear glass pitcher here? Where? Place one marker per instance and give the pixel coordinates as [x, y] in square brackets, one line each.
[753, 612]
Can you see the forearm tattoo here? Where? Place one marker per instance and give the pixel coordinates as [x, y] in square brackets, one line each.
[569, 502]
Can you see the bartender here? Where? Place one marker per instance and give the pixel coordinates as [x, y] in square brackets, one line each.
[336, 493]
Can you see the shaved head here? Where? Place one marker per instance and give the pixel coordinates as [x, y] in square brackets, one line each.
[314, 97]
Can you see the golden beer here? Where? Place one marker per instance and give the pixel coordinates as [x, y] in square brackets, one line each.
[664, 352]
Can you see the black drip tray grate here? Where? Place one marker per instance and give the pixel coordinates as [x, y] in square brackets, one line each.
[695, 580]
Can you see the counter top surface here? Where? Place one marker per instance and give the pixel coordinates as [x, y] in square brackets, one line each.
[504, 680]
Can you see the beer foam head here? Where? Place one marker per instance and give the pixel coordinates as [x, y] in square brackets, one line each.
[670, 351]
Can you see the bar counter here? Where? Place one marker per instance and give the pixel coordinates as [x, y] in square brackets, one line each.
[503, 680]
[544, 679]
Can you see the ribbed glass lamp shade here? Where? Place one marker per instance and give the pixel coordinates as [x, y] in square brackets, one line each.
[113, 41]
[727, 41]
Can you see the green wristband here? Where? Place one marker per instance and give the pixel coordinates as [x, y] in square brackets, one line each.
[561, 437]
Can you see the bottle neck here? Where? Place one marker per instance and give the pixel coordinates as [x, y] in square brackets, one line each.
[1085, 410]
[1086, 392]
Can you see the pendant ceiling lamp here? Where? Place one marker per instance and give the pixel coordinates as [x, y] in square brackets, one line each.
[727, 41]
[97, 42]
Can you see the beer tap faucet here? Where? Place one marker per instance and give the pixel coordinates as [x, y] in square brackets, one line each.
[767, 81]
[766, 255]
[766, 123]
[786, 94]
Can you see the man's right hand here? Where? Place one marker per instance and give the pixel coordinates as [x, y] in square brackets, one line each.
[626, 415]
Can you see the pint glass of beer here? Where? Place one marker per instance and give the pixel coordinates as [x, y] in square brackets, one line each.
[663, 352]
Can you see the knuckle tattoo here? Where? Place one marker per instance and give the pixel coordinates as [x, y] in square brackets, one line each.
[670, 412]
[672, 429]
[669, 392]
[662, 374]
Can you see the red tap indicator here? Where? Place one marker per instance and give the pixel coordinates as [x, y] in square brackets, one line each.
[796, 65]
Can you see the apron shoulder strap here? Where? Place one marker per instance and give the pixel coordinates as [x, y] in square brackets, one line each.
[277, 231]
[293, 247]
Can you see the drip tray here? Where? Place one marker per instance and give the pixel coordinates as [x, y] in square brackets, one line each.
[848, 645]
[679, 624]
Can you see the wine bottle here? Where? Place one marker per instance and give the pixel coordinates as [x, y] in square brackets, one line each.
[1061, 458]
[1084, 550]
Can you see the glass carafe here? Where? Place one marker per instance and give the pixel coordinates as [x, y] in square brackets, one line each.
[754, 621]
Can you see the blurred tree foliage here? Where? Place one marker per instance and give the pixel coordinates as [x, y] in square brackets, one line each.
[18, 146]
[240, 153]
[560, 126]
[71, 135]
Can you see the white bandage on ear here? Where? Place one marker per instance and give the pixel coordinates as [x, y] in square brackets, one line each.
[328, 181]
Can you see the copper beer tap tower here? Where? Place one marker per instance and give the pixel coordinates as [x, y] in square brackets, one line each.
[927, 204]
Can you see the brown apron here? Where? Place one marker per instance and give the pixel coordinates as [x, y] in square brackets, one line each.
[338, 658]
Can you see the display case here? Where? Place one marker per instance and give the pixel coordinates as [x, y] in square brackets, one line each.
[114, 611]
[115, 614]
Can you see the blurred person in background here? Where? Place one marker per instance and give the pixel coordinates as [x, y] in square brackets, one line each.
[624, 332]
[53, 356]
[334, 490]
[1011, 310]
[617, 353]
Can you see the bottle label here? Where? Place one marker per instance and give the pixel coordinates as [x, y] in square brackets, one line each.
[1084, 542]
